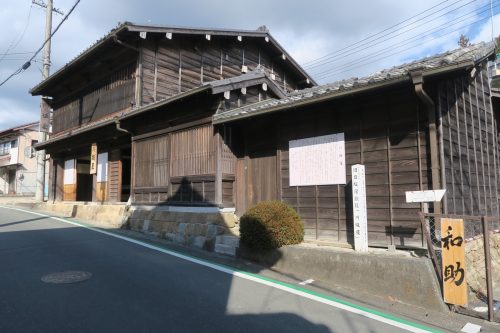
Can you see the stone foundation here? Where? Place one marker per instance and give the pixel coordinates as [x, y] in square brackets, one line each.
[194, 228]
[475, 265]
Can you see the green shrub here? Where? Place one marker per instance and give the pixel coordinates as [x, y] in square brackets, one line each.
[270, 225]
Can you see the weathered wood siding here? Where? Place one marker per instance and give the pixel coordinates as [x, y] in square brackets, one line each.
[179, 167]
[115, 176]
[151, 162]
[112, 94]
[173, 66]
[193, 152]
[385, 134]
[469, 145]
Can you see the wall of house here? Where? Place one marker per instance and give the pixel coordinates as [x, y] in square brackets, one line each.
[25, 166]
[173, 66]
[180, 167]
[385, 131]
[111, 94]
[469, 145]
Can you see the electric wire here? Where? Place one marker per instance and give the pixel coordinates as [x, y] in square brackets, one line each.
[344, 70]
[308, 63]
[378, 40]
[14, 43]
[27, 64]
[415, 38]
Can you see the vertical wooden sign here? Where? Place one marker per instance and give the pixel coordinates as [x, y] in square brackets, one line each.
[453, 255]
[93, 159]
[359, 208]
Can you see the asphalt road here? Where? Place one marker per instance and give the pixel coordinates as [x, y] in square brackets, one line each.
[134, 288]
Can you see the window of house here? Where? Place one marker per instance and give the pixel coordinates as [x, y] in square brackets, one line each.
[4, 148]
[13, 144]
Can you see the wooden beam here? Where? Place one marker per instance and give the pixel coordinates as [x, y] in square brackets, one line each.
[194, 123]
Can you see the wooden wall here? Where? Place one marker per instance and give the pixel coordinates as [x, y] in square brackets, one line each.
[151, 162]
[115, 176]
[193, 152]
[386, 134]
[101, 191]
[112, 94]
[469, 145]
[179, 167]
[174, 66]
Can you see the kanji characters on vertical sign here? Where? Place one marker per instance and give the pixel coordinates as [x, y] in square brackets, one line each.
[359, 208]
[93, 159]
[453, 256]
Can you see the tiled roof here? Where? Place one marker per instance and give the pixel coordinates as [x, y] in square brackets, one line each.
[18, 128]
[461, 56]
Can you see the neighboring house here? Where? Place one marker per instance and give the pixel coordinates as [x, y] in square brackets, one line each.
[226, 118]
[17, 160]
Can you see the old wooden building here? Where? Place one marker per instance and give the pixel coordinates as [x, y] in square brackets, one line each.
[198, 117]
[144, 96]
[425, 125]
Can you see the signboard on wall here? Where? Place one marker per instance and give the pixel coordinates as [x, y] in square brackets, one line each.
[359, 208]
[102, 167]
[453, 257]
[93, 159]
[425, 196]
[69, 172]
[318, 160]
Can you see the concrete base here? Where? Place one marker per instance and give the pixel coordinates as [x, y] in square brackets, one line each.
[105, 216]
[405, 279]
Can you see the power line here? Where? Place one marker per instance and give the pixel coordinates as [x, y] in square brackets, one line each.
[343, 70]
[380, 32]
[419, 36]
[17, 53]
[346, 50]
[13, 44]
[27, 64]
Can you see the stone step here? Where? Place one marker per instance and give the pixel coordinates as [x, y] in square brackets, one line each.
[225, 249]
[230, 240]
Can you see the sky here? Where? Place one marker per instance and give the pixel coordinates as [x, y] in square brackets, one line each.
[332, 40]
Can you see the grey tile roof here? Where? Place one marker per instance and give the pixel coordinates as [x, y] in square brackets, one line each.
[449, 59]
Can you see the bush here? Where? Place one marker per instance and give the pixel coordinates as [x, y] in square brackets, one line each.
[270, 225]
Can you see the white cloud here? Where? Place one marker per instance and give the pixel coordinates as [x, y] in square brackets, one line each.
[484, 34]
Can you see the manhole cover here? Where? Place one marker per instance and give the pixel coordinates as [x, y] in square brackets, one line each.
[66, 277]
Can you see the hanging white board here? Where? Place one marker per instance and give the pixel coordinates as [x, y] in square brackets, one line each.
[318, 160]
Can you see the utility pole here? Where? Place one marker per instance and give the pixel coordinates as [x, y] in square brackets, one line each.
[44, 105]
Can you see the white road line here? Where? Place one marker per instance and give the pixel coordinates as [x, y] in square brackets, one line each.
[308, 281]
[357, 310]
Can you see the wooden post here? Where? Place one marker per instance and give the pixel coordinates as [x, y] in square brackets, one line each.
[487, 262]
[218, 168]
[59, 179]
[52, 178]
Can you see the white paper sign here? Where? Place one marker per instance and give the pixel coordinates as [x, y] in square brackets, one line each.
[102, 167]
[424, 196]
[317, 161]
[69, 172]
[359, 208]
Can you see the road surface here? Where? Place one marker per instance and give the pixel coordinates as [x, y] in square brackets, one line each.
[137, 287]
